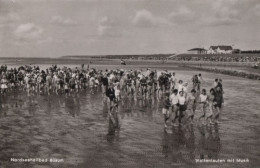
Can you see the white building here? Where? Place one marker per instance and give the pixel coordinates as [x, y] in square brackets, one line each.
[220, 50]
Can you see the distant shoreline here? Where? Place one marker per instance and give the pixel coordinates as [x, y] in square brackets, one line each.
[140, 56]
[239, 69]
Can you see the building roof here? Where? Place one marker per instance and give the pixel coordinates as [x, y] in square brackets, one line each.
[213, 47]
[221, 47]
[197, 49]
[225, 47]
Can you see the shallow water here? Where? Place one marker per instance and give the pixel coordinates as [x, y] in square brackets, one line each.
[77, 130]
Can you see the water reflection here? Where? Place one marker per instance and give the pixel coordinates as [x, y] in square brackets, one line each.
[138, 108]
[113, 121]
[73, 105]
[181, 145]
[32, 105]
[49, 106]
[3, 107]
[209, 142]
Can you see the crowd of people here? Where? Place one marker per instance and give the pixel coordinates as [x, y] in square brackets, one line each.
[174, 94]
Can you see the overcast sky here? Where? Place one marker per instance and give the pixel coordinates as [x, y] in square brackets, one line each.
[53, 28]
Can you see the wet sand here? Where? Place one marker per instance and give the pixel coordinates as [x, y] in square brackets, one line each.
[77, 129]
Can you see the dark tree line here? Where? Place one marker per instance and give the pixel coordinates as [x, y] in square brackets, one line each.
[250, 52]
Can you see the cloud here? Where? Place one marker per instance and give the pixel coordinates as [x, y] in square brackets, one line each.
[62, 21]
[102, 30]
[225, 21]
[49, 40]
[108, 27]
[257, 10]
[221, 19]
[182, 14]
[104, 26]
[8, 19]
[222, 13]
[28, 31]
[145, 18]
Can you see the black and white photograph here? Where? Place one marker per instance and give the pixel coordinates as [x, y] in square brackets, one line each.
[129, 83]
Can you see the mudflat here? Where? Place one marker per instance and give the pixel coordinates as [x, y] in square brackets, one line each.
[76, 129]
